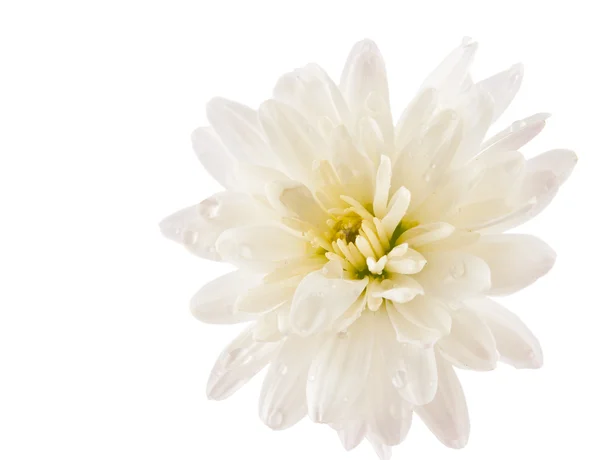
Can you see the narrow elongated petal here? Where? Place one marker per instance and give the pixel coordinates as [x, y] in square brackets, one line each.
[240, 131]
[265, 297]
[515, 261]
[214, 156]
[470, 344]
[238, 363]
[351, 433]
[447, 416]
[429, 313]
[515, 343]
[214, 302]
[198, 227]
[517, 134]
[503, 87]
[329, 390]
[283, 397]
[259, 246]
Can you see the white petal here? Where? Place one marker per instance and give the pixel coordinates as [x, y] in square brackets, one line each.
[351, 314]
[267, 325]
[213, 155]
[503, 87]
[453, 70]
[351, 433]
[265, 297]
[407, 331]
[515, 261]
[516, 135]
[399, 289]
[319, 300]
[339, 372]
[240, 131]
[383, 451]
[396, 210]
[470, 344]
[283, 397]
[198, 227]
[365, 87]
[447, 416]
[296, 200]
[454, 275]
[411, 368]
[429, 313]
[515, 343]
[292, 138]
[260, 246]
[382, 187]
[238, 363]
[214, 302]
[410, 263]
[425, 234]
[312, 93]
[559, 161]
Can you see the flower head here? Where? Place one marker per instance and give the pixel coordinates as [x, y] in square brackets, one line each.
[367, 250]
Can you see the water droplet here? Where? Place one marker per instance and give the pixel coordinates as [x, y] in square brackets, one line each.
[342, 335]
[282, 369]
[514, 167]
[189, 237]
[399, 378]
[427, 176]
[517, 125]
[457, 270]
[275, 419]
[246, 252]
[325, 270]
[233, 355]
[346, 399]
[209, 208]
[321, 294]
[311, 378]
[247, 359]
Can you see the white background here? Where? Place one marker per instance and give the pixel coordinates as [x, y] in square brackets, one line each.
[99, 356]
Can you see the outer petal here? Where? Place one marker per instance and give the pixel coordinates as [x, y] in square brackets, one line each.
[515, 343]
[213, 155]
[283, 397]
[516, 135]
[260, 247]
[515, 261]
[312, 93]
[339, 372]
[447, 416]
[214, 302]
[198, 227]
[239, 362]
[470, 344]
[503, 87]
[365, 87]
[454, 275]
[240, 131]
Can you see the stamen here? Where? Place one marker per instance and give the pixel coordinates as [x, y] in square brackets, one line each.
[357, 207]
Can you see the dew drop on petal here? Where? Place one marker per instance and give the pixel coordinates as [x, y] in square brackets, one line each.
[457, 270]
[517, 125]
[282, 369]
[427, 176]
[209, 208]
[342, 335]
[189, 237]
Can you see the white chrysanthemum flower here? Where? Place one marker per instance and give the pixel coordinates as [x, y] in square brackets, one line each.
[367, 250]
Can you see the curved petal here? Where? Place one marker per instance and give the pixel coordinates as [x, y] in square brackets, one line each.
[454, 275]
[260, 247]
[351, 432]
[503, 87]
[198, 227]
[515, 261]
[238, 363]
[447, 416]
[238, 127]
[365, 87]
[283, 396]
[266, 297]
[429, 313]
[339, 372]
[407, 331]
[516, 135]
[214, 156]
[383, 451]
[515, 343]
[319, 300]
[470, 344]
[214, 302]
[311, 92]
